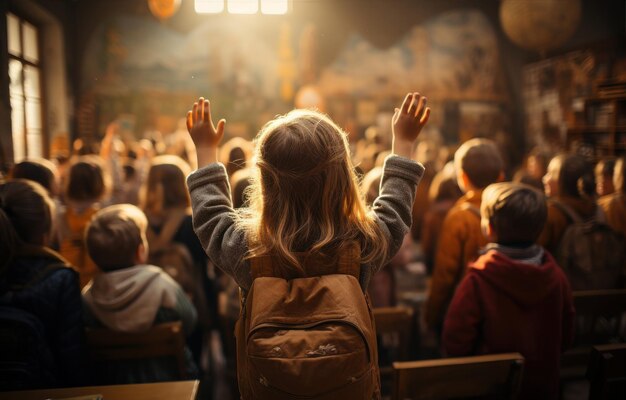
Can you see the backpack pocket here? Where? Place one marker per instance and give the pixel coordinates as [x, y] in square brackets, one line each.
[307, 360]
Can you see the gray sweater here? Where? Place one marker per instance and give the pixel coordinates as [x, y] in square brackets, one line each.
[226, 245]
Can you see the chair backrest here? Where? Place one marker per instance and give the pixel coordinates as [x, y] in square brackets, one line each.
[479, 376]
[598, 321]
[396, 321]
[599, 313]
[162, 340]
[607, 372]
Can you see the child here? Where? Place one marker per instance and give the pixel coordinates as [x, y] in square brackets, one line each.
[86, 186]
[604, 177]
[36, 282]
[305, 199]
[128, 295]
[569, 182]
[478, 164]
[614, 205]
[514, 298]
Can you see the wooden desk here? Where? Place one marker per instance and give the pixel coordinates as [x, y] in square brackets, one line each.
[180, 390]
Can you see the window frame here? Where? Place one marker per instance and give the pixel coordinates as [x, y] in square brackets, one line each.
[39, 65]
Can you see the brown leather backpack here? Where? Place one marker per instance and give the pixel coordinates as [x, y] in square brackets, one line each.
[309, 337]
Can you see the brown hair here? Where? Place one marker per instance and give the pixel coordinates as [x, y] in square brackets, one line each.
[114, 234]
[86, 179]
[576, 177]
[165, 187]
[480, 160]
[25, 216]
[516, 212]
[305, 196]
[38, 170]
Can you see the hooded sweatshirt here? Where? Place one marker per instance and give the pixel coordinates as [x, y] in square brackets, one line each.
[129, 299]
[506, 305]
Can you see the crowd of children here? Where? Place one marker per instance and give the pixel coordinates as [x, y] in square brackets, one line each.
[149, 241]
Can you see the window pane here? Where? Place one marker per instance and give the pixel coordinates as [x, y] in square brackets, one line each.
[209, 6]
[33, 115]
[17, 127]
[13, 34]
[35, 144]
[31, 82]
[243, 6]
[15, 78]
[274, 6]
[31, 52]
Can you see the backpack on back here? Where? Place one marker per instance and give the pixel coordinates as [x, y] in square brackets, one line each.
[590, 252]
[307, 337]
[26, 360]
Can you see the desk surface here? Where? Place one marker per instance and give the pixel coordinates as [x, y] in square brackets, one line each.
[181, 390]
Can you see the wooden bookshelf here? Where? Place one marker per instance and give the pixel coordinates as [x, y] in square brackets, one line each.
[603, 126]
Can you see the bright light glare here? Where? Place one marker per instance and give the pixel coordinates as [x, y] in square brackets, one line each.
[209, 6]
[276, 7]
[243, 6]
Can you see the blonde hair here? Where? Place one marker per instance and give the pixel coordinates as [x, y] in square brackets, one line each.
[114, 234]
[305, 196]
[165, 187]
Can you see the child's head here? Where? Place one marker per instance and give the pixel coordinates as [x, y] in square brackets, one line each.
[512, 213]
[234, 154]
[445, 186]
[478, 164]
[240, 181]
[165, 188]
[116, 237]
[26, 215]
[570, 175]
[39, 170]
[305, 194]
[86, 180]
[371, 184]
[604, 176]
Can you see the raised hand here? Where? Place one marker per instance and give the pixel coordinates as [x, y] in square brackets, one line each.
[407, 123]
[200, 125]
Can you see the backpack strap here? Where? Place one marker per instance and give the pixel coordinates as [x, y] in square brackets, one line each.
[346, 264]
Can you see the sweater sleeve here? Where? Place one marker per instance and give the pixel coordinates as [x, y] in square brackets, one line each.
[392, 208]
[214, 222]
[462, 322]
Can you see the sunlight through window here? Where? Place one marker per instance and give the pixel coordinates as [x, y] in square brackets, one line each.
[276, 7]
[209, 6]
[243, 6]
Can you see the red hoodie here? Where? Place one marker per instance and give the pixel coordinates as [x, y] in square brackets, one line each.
[502, 306]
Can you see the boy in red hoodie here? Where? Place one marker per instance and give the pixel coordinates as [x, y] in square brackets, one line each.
[514, 298]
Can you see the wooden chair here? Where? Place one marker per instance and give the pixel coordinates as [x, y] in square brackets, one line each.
[607, 372]
[496, 375]
[598, 321]
[395, 325]
[163, 340]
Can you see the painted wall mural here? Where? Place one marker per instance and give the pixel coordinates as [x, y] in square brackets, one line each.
[251, 72]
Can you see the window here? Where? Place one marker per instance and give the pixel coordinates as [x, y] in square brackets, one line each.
[275, 7]
[25, 88]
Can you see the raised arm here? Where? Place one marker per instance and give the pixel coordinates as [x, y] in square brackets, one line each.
[213, 214]
[401, 174]
[205, 136]
[407, 123]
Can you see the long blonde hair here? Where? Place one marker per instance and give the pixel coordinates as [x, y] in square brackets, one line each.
[305, 196]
